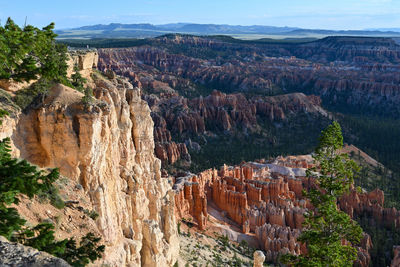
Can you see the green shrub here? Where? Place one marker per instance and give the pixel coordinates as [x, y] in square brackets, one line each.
[87, 99]
[23, 98]
[92, 214]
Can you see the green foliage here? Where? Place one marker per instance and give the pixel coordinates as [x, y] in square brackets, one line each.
[383, 240]
[288, 137]
[77, 80]
[29, 53]
[23, 98]
[42, 238]
[18, 177]
[52, 194]
[83, 254]
[326, 227]
[92, 214]
[3, 113]
[87, 99]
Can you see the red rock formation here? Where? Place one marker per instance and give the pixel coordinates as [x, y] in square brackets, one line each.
[276, 240]
[220, 112]
[370, 204]
[166, 149]
[265, 199]
[353, 80]
[248, 194]
[191, 196]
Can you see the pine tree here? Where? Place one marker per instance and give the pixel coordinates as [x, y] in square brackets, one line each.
[77, 80]
[30, 53]
[87, 99]
[329, 233]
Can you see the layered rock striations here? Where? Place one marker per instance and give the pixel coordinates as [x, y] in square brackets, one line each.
[107, 146]
[254, 195]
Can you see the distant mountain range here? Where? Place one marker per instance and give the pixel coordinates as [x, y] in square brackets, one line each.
[144, 30]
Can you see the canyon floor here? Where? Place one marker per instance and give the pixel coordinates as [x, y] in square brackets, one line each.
[221, 244]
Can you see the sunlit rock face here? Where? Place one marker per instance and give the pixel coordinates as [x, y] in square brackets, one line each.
[107, 147]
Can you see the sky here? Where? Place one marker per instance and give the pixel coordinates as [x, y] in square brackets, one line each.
[312, 14]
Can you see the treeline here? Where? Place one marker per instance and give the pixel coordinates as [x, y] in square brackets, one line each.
[104, 43]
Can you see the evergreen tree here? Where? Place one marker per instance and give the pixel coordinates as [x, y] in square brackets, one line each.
[87, 99]
[18, 177]
[329, 233]
[77, 80]
[30, 53]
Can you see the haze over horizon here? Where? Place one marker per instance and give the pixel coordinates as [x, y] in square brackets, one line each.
[310, 14]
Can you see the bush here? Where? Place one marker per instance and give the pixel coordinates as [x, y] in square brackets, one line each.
[87, 99]
[92, 214]
[77, 80]
[23, 98]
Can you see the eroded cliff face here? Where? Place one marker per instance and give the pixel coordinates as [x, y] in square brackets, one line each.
[108, 148]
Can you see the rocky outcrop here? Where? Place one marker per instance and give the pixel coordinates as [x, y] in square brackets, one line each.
[259, 258]
[166, 149]
[14, 254]
[371, 205]
[86, 60]
[218, 113]
[276, 241]
[108, 148]
[253, 195]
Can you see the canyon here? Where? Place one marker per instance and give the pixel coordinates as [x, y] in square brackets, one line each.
[106, 148]
[139, 153]
[180, 75]
[265, 200]
[352, 71]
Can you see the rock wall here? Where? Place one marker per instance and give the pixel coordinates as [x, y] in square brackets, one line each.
[108, 148]
[86, 60]
[217, 113]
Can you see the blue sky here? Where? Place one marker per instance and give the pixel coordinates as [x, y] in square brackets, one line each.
[327, 14]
